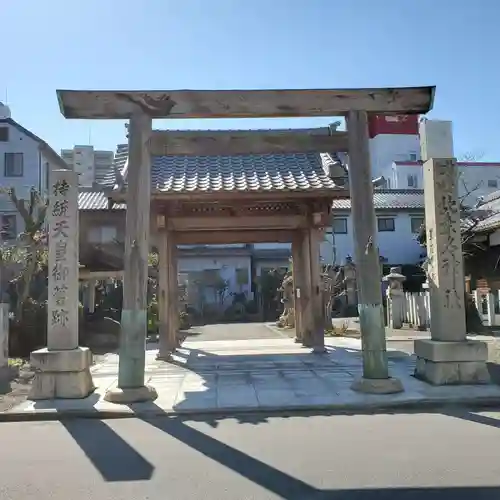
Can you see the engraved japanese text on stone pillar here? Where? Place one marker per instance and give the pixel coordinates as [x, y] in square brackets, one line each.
[63, 261]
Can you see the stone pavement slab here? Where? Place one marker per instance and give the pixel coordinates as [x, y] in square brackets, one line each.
[252, 375]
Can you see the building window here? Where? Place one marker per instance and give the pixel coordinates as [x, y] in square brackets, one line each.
[492, 183]
[412, 181]
[9, 227]
[339, 226]
[385, 224]
[14, 165]
[416, 224]
[413, 156]
[4, 134]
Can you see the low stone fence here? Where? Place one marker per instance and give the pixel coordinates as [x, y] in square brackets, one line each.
[415, 310]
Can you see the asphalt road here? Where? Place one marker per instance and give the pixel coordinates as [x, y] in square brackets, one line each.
[363, 457]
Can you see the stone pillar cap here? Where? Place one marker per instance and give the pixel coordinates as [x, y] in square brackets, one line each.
[395, 274]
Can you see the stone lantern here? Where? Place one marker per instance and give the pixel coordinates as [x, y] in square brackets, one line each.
[395, 297]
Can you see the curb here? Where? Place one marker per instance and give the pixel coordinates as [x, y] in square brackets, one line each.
[417, 406]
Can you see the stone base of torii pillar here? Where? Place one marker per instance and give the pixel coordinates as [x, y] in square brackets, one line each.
[63, 374]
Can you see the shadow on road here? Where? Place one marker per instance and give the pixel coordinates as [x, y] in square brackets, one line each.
[112, 456]
[117, 461]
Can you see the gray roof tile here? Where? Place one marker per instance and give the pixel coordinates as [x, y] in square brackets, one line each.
[389, 199]
[487, 214]
[96, 200]
[272, 172]
[383, 199]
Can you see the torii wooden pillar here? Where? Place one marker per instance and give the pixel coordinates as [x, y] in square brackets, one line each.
[371, 312]
[134, 322]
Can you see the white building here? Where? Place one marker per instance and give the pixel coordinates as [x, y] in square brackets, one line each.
[92, 165]
[393, 138]
[396, 156]
[400, 213]
[476, 179]
[25, 161]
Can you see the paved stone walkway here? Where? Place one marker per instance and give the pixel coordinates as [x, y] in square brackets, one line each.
[233, 331]
[264, 374]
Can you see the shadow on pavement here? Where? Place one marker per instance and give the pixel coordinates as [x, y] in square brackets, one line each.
[474, 417]
[117, 461]
[111, 455]
[292, 488]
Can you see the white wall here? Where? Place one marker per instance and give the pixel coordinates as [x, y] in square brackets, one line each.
[474, 179]
[398, 246]
[387, 148]
[34, 170]
[20, 143]
[227, 268]
[81, 159]
[90, 164]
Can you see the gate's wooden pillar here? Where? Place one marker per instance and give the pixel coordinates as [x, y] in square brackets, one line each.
[164, 314]
[134, 321]
[306, 291]
[318, 327]
[173, 287]
[298, 283]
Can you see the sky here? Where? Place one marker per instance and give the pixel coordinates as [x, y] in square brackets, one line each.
[253, 44]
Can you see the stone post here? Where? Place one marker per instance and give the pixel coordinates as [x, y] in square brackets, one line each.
[395, 297]
[490, 298]
[62, 369]
[448, 358]
[371, 311]
[132, 359]
[91, 296]
[350, 283]
[421, 312]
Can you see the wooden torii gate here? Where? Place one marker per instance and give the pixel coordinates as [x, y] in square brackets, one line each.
[178, 223]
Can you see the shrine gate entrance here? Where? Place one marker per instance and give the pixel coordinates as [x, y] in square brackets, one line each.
[235, 205]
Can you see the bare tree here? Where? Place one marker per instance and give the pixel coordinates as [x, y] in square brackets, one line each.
[31, 248]
[471, 215]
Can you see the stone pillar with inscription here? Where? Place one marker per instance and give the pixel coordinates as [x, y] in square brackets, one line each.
[448, 357]
[62, 369]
